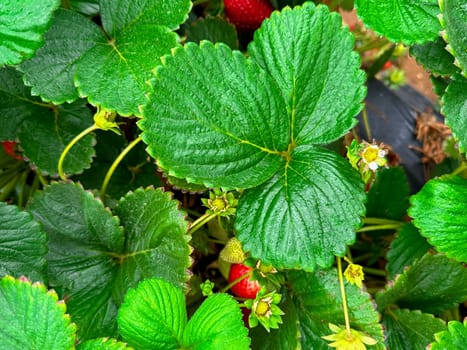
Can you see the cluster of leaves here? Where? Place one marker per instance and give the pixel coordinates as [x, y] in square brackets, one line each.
[260, 121]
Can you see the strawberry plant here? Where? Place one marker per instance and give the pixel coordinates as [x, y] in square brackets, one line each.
[171, 180]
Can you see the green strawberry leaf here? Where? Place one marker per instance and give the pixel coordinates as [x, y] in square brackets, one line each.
[32, 317]
[44, 135]
[16, 103]
[308, 53]
[216, 325]
[197, 131]
[103, 344]
[94, 261]
[454, 338]
[281, 223]
[404, 21]
[44, 129]
[432, 284]
[439, 212]
[113, 73]
[22, 27]
[318, 302]
[153, 316]
[434, 57]
[408, 247]
[388, 197]
[50, 73]
[23, 244]
[264, 130]
[454, 109]
[453, 14]
[164, 251]
[410, 329]
[214, 29]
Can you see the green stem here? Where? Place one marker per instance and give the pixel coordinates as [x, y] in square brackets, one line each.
[115, 164]
[197, 2]
[70, 145]
[235, 281]
[380, 227]
[344, 298]
[375, 272]
[366, 123]
[198, 223]
[460, 169]
[7, 188]
[41, 178]
[379, 221]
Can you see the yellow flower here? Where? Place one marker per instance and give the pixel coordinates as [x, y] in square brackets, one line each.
[342, 340]
[354, 274]
[374, 156]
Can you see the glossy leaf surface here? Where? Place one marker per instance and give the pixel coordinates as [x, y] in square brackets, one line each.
[23, 244]
[439, 211]
[454, 338]
[22, 27]
[404, 21]
[95, 260]
[433, 284]
[32, 317]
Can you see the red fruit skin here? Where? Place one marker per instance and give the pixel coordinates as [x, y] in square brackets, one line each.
[387, 65]
[9, 148]
[247, 15]
[246, 288]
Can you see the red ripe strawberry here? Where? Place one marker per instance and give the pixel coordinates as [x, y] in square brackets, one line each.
[387, 65]
[247, 15]
[9, 148]
[246, 288]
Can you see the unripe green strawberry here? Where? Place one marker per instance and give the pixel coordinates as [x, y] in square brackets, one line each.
[247, 15]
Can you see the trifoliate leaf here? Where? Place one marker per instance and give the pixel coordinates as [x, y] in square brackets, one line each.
[454, 338]
[408, 246]
[51, 71]
[439, 211]
[43, 129]
[407, 329]
[23, 244]
[153, 316]
[318, 302]
[434, 57]
[217, 325]
[404, 21]
[433, 284]
[305, 216]
[103, 344]
[113, 73]
[308, 53]
[22, 27]
[44, 136]
[388, 197]
[454, 109]
[32, 318]
[220, 119]
[214, 29]
[95, 263]
[453, 14]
